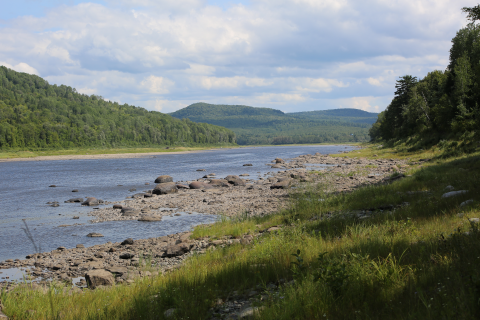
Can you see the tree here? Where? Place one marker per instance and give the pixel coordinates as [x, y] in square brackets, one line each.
[473, 13]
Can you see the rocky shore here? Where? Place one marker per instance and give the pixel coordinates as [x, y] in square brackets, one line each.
[231, 195]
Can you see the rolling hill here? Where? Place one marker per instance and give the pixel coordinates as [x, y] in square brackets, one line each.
[36, 115]
[270, 126]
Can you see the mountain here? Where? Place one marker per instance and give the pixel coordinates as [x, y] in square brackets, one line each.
[270, 126]
[35, 114]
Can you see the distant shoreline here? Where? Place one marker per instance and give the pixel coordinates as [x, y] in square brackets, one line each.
[100, 156]
[131, 155]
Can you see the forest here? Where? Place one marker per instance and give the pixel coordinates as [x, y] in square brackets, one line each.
[254, 126]
[445, 104]
[36, 115]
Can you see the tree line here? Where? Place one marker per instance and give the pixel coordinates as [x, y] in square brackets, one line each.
[443, 104]
[37, 115]
[254, 126]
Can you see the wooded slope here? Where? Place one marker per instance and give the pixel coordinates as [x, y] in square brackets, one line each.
[270, 126]
[35, 114]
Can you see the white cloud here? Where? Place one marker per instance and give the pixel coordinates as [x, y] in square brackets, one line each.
[295, 53]
[21, 67]
[157, 85]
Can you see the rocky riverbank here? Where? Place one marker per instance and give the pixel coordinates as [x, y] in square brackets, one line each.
[230, 196]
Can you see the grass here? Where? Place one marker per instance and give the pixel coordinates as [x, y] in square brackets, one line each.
[419, 260]
[94, 151]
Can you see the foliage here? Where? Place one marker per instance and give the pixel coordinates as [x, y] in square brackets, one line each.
[36, 115]
[270, 126]
[444, 104]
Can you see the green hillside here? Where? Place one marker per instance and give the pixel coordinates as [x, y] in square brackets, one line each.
[35, 114]
[270, 126]
[347, 114]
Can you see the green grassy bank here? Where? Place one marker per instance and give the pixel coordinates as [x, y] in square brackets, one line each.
[418, 258]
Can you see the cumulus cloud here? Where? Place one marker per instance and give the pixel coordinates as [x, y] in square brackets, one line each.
[20, 67]
[300, 54]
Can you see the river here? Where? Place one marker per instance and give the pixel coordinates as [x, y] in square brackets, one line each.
[25, 191]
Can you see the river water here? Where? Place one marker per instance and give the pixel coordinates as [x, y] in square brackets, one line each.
[24, 192]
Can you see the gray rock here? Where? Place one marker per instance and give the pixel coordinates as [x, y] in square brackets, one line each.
[99, 277]
[449, 188]
[199, 185]
[118, 270]
[466, 203]
[127, 241]
[74, 200]
[94, 235]
[231, 178]
[91, 201]
[169, 313]
[239, 182]
[165, 188]
[163, 179]
[126, 255]
[454, 193]
[249, 312]
[474, 220]
[281, 184]
[150, 218]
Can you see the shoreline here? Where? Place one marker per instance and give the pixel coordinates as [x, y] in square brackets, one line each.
[254, 198]
[101, 156]
[126, 155]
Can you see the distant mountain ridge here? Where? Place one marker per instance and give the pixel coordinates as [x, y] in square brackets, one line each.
[270, 126]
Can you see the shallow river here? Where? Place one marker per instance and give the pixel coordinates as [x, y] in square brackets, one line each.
[24, 192]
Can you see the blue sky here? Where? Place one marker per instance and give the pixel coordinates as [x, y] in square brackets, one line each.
[292, 55]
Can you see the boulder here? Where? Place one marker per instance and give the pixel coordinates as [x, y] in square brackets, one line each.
[199, 185]
[279, 160]
[117, 206]
[94, 235]
[231, 178]
[182, 186]
[201, 170]
[248, 165]
[91, 201]
[281, 184]
[118, 270]
[165, 188]
[454, 193]
[75, 190]
[150, 218]
[127, 241]
[74, 200]
[239, 182]
[126, 255]
[177, 249]
[163, 179]
[219, 183]
[99, 277]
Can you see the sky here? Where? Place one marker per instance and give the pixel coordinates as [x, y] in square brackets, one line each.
[291, 55]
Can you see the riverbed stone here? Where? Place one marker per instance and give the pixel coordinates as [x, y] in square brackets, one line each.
[163, 179]
[454, 193]
[91, 201]
[150, 218]
[165, 188]
[281, 184]
[94, 235]
[99, 277]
